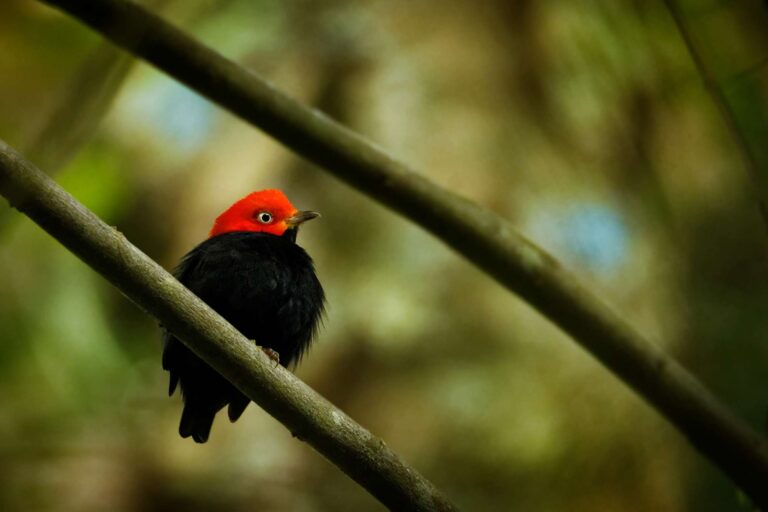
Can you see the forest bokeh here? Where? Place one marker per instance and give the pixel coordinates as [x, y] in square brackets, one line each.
[585, 124]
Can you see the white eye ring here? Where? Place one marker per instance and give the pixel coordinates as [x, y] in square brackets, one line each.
[264, 217]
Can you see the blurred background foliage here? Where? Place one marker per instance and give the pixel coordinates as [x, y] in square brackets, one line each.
[584, 123]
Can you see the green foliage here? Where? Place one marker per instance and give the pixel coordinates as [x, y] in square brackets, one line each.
[548, 112]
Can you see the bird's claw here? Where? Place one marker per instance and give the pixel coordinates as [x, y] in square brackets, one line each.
[272, 354]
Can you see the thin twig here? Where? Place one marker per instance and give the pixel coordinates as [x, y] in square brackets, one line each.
[309, 416]
[481, 236]
[721, 103]
[76, 112]
[79, 108]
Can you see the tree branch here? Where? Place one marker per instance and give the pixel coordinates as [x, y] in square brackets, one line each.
[306, 414]
[481, 236]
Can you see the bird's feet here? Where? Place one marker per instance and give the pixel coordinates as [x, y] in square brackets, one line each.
[272, 354]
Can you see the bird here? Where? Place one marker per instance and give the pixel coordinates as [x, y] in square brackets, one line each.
[251, 271]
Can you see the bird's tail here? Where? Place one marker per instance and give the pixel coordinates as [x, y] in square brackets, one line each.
[196, 421]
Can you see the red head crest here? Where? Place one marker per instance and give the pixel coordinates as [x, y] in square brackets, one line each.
[266, 211]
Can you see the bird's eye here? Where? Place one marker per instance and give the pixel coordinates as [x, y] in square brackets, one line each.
[264, 217]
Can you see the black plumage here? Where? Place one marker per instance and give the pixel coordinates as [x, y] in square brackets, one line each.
[264, 285]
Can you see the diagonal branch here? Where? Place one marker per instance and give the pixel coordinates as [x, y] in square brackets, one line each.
[309, 416]
[481, 236]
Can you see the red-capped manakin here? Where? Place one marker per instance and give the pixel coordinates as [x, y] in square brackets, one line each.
[251, 272]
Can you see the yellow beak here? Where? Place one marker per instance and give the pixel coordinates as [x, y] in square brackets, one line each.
[300, 217]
